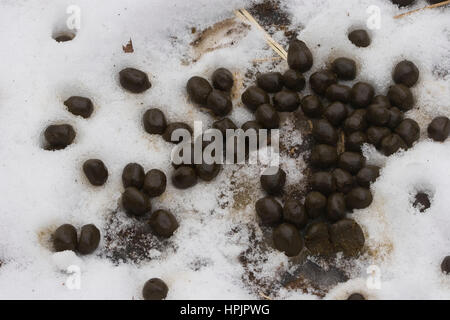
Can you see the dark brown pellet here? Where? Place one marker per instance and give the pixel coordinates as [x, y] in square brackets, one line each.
[445, 265]
[95, 171]
[367, 175]
[59, 136]
[65, 238]
[79, 106]
[347, 236]
[184, 177]
[317, 239]
[222, 79]
[324, 132]
[315, 204]
[207, 172]
[359, 38]
[323, 156]
[136, 202]
[273, 184]
[294, 212]
[409, 131]
[403, 3]
[344, 68]
[376, 134]
[358, 198]
[198, 89]
[155, 289]
[299, 56]
[253, 97]
[378, 115]
[401, 97]
[219, 102]
[355, 140]
[269, 210]
[361, 95]
[323, 182]
[338, 92]
[406, 72]
[154, 121]
[311, 106]
[439, 129]
[133, 176]
[336, 207]
[89, 239]
[392, 143]
[267, 116]
[343, 179]
[223, 125]
[351, 162]
[381, 101]
[287, 239]
[335, 113]
[356, 296]
[356, 121]
[294, 80]
[155, 182]
[171, 127]
[321, 80]
[163, 223]
[286, 101]
[270, 82]
[396, 116]
[134, 80]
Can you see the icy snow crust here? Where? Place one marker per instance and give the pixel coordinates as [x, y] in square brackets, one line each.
[41, 190]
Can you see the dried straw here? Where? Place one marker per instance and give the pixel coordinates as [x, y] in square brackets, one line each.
[440, 4]
[246, 16]
[266, 59]
[264, 296]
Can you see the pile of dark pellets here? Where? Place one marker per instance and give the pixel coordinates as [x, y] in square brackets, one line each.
[340, 179]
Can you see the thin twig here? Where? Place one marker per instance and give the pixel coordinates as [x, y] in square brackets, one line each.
[264, 296]
[266, 59]
[440, 4]
[245, 15]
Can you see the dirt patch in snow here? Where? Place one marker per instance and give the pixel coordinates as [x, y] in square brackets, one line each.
[132, 242]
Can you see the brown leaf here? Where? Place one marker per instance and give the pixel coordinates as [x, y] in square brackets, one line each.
[129, 47]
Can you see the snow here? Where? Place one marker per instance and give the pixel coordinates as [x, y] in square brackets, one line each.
[41, 190]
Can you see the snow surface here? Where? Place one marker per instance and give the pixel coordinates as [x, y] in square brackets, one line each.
[41, 190]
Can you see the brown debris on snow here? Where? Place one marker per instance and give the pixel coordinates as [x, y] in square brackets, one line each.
[128, 48]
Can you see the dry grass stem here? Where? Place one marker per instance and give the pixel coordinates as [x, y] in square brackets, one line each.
[440, 4]
[246, 16]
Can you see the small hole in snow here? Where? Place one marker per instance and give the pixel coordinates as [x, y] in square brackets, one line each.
[421, 201]
[64, 36]
[61, 32]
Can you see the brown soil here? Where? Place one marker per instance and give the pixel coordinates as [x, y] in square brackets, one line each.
[131, 243]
